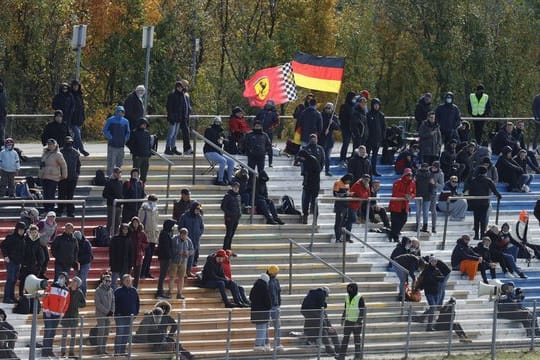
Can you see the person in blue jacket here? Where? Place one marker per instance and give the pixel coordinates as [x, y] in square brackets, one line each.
[117, 132]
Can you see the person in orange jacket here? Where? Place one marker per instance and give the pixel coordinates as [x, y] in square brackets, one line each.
[360, 189]
[403, 187]
[54, 304]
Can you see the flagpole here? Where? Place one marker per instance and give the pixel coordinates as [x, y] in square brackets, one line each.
[333, 111]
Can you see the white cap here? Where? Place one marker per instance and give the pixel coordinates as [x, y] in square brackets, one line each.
[140, 87]
[51, 213]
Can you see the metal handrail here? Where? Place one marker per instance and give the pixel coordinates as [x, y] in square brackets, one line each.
[24, 202]
[324, 262]
[366, 227]
[393, 262]
[170, 164]
[122, 201]
[254, 173]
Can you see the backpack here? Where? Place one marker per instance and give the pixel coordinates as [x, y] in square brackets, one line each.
[101, 236]
[287, 206]
[23, 191]
[99, 179]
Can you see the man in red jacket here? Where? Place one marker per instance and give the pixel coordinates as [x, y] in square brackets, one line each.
[360, 189]
[55, 304]
[404, 187]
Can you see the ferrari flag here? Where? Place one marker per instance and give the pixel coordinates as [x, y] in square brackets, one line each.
[323, 73]
[275, 83]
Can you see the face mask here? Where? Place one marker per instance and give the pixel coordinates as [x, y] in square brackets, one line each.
[9, 146]
[313, 141]
[61, 281]
[415, 153]
[448, 100]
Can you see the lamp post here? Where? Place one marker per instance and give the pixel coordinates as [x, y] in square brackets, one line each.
[147, 43]
[78, 41]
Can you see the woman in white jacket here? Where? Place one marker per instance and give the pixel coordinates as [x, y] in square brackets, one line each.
[149, 216]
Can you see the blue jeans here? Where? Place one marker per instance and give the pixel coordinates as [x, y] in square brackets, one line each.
[427, 206]
[77, 139]
[51, 324]
[222, 161]
[274, 315]
[172, 134]
[122, 334]
[442, 289]
[12, 273]
[511, 260]
[83, 274]
[261, 334]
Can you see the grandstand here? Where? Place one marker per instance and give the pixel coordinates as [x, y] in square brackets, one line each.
[211, 332]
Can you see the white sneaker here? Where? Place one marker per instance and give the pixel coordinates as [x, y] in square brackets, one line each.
[525, 189]
[267, 348]
[259, 348]
[280, 348]
[510, 275]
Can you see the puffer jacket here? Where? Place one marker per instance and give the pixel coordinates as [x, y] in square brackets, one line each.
[53, 166]
[149, 216]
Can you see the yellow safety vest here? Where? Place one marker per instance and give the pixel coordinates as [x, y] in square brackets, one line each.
[478, 108]
[351, 308]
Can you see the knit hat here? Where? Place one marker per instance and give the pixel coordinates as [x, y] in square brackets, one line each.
[272, 270]
[77, 235]
[51, 213]
[77, 280]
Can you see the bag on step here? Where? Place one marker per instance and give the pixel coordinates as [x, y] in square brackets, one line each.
[100, 179]
[287, 206]
[101, 236]
[25, 306]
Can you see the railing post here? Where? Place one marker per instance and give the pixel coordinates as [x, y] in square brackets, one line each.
[533, 325]
[451, 330]
[113, 218]
[228, 343]
[254, 184]
[314, 223]
[130, 335]
[408, 338]
[319, 337]
[366, 222]
[497, 213]
[343, 255]
[194, 161]
[33, 332]
[168, 187]
[290, 267]
[419, 200]
[177, 345]
[363, 339]
[83, 220]
[277, 335]
[445, 223]
[81, 337]
[494, 330]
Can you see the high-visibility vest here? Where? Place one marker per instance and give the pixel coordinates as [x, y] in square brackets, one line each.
[478, 107]
[351, 308]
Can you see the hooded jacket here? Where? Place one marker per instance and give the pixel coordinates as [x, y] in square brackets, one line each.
[424, 186]
[448, 116]
[73, 162]
[480, 185]
[212, 270]
[213, 133]
[268, 117]
[230, 205]
[149, 215]
[359, 126]
[345, 112]
[64, 101]
[53, 165]
[508, 169]
[421, 111]
[260, 302]
[65, 249]
[401, 187]
[134, 109]
[117, 129]
[178, 107]
[502, 139]
[376, 124]
[34, 256]
[165, 241]
[13, 247]
[54, 130]
[79, 116]
[193, 222]
[104, 300]
[359, 166]
[9, 160]
[121, 254]
[310, 122]
[140, 143]
[462, 251]
[430, 141]
[139, 241]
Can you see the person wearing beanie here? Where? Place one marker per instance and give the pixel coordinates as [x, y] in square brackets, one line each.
[66, 187]
[47, 233]
[238, 128]
[132, 189]
[480, 185]
[13, 248]
[9, 167]
[351, 320]
[140, 146]
[269, 118]
[313, 308]
[213, 277]
[512, 173]
[275, 300]
[149, 215]
[70, 320]
[178, 112]
[134, 106]
[257, 145]
[215, 134]
[117, 132]
[260, 312]
[79, 116]
[448, 116]
[165, 254]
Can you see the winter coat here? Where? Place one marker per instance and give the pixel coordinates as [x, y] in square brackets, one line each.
[84, 255]
[9, 160]
[275, 291]
[400, 249]
[424, 184]
[65, 249]
[310, 122]
[194, 223]
[462, 251]
[430, 280]
[13, 248]
[259, 296]
[56, 300]
[448, 117]
[132, 189]
[507, 169]
[327, 141]
[64, 101]
[79, 115]
[182, 249]
[126, 301]
[480, 152]
[269, 119]
[76, 301]
[149, 216]
[312, 173]
[56, 131]
[73, 162]
[53, 166]
[104, 300]
[238, 125]
[317, 151]
[421, 111]
[359, 166]
[212, 270]
[113, 190]
[134, 109]
[180, 207]
[480, 185]
[359, 191]
[502, 139]
[430, 139]
[117, 130]
[213, 133]
[314, 300]
[165, 241]
[140, 141]
[359, 126]
[376, 126]
[121, 254]
[139, 241]
[230, 205]
[345, 112]
[400, 188]
[257, 144]
[178, 107]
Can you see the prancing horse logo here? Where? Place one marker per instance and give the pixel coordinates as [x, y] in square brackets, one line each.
[262, 87]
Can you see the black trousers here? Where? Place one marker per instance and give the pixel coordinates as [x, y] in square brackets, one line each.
[446, 326]
[230, 229]
[66, 190]
[341, 215]
[356, 329]
[399, 219]
[480, 224]
[374, 150]
[163, 268]
[479, 131]
[184, 127]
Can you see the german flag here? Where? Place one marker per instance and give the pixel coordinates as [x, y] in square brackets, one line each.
[323, 73]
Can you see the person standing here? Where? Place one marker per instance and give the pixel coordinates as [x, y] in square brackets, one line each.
[70, 320]
[10, 165]
[141, 147]
[238, 129]
[149, 215]
[117, 133]
[430, 139]
[351, 319]
[430, 281]
[121, 254]
[311, 183]
[139, 241]
[404, 187]
[425, 189]
[270, 120]
[13, 251]
[104, 302]
[132, 189]
[182, 205]
[257, 146]
[64, 101]
[182, 250]
[79, 116]
[126, 304]
[47, 233]
[275, 300]
[55, 130]
[65, 250]
[345, 112]
[215, 134]
[53, 168]
[134, 106]
[449, 118]
[423, 107]
[3, 112]
[193, 221]
[310, 122]
[66, 187]
[536, 116]
[165, 254]
[260, 312]
[479, 106]
[54, 305]
[232, 210]
[377, 131]
[341, 189]
[326, 140]
[34, 257]
[178, 112]
[359, 128]
[112, 191]
[85, 257]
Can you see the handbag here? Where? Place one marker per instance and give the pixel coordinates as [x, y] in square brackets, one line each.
[411, 294]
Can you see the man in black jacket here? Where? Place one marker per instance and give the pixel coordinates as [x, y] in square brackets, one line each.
[345, 112]
[310, 122]
[134, 106]
[65, 250]
[504, 138]
[111, 191]
[66, 187]
[178, 111]
[79, 116]
[449, 118]
[257, 146]
[359, 164]
[311, 184]
[55, 130]
[312, 309]
[230, 205]
[213, 277]
[132, 189]
[141, 147]
[13, 251]
[63, 100]
[423, 107]
[265, 206]
[214, 133]
[377, 132]
[512, 173]
[165, 254]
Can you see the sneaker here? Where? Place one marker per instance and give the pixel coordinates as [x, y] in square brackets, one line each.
[188, 152]
[510, 275]
[280, 348]
[180, 296]
[279, 221]
[259, 348]
[525, 189]
[522, 275]
[271, 222]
